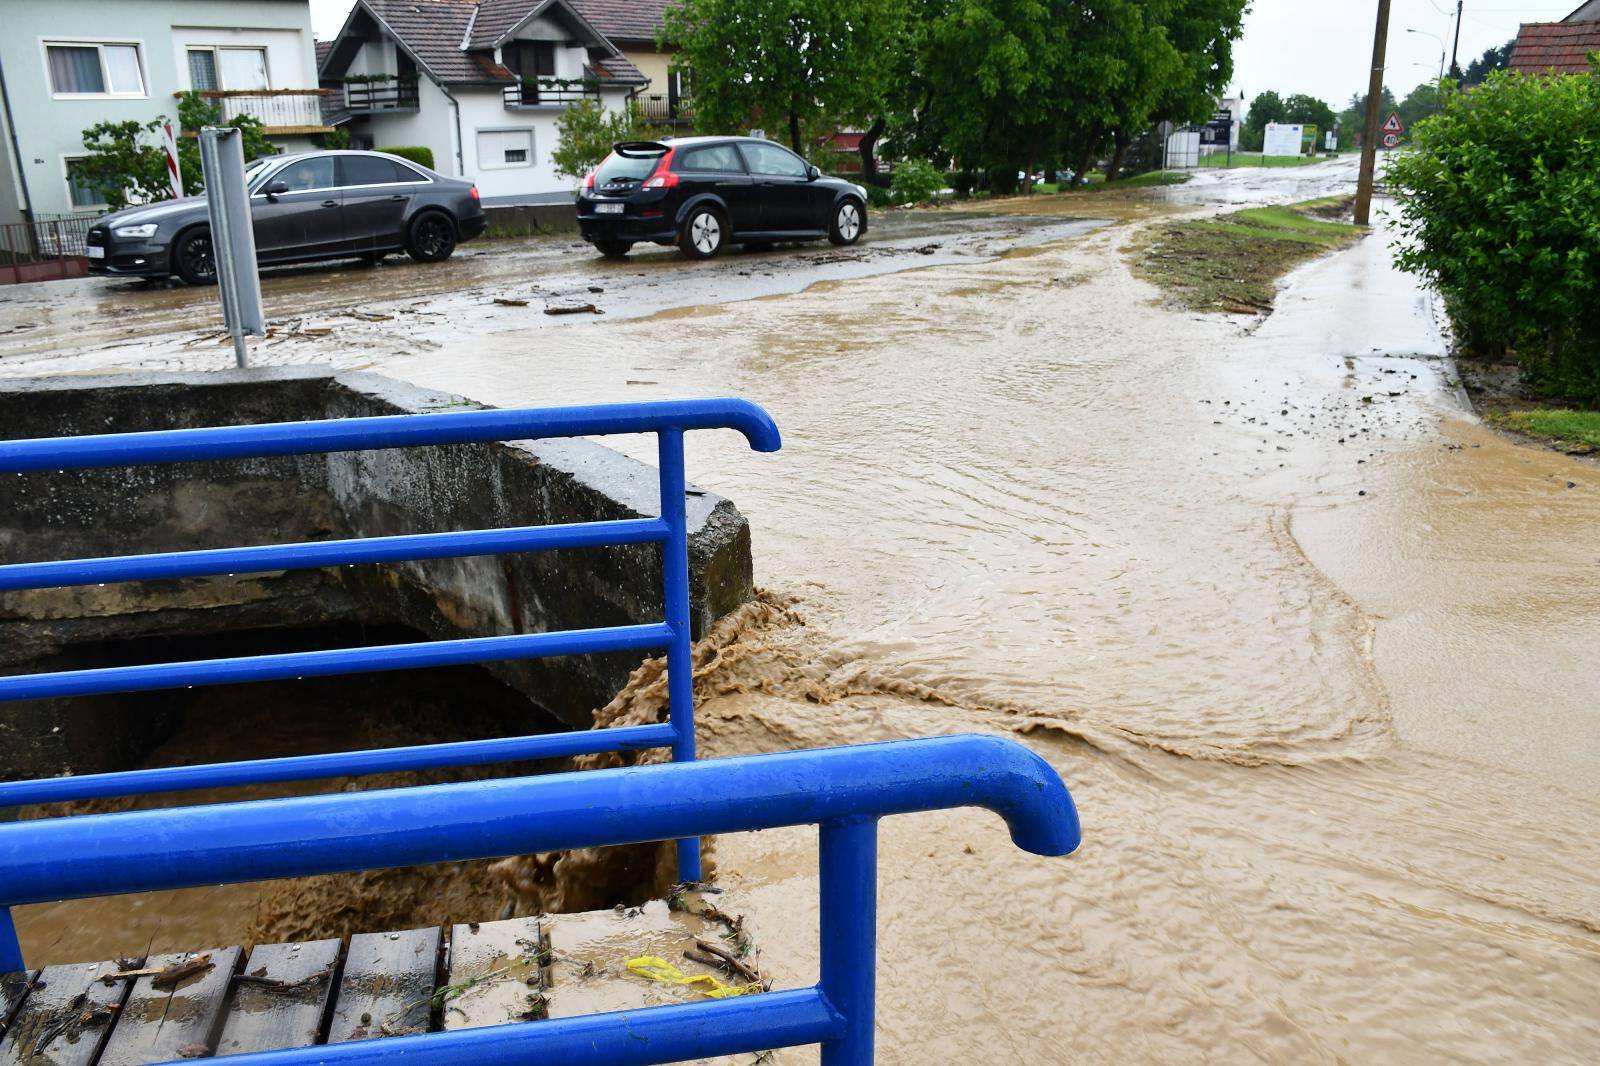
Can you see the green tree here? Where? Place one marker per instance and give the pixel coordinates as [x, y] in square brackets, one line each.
[1267, 107]
[804, 64]
[1423, 101]
[1493, 59]
[1500, 210]
[1309, 111]
[586, 131]
[127, 165]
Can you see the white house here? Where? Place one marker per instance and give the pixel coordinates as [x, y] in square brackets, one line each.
[66, 65]
[479, 84]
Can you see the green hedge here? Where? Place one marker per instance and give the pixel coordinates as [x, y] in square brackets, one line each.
[414, 152]
[1500, 210]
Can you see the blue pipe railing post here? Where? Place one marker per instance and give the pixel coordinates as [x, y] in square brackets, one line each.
[848, 892]
[10, 949]
[675, 594]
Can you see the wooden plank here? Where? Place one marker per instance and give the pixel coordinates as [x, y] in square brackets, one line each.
[498, 973]
[281, 998]
[13, 990]
[65, 1018]
[590, 954]
[161, 1024]
[387, 982]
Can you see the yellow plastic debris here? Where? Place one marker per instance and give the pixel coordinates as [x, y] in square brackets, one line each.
[655, 968]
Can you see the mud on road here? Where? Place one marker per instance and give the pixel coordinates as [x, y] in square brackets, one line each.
[348, 315]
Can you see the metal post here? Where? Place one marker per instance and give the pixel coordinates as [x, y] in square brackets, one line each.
[1369, 140]
[233, 242]
[848, 888]
[10, 949]
[675, 596]
[1455, 70]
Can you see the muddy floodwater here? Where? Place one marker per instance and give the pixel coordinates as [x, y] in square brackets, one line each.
[1314, 650]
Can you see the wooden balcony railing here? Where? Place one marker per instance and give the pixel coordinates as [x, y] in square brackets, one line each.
[366, 97]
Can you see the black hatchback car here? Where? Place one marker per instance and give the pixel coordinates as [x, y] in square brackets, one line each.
[704, 193]
[316, 205]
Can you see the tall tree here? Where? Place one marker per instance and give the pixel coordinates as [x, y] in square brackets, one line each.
[1266, 108]
[803, 63]
[1493, 59]
[1308, 111]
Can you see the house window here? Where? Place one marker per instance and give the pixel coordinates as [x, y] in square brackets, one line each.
[228, 69]
[79, 192]
[94, 69]
[501, 149]
[531, 59]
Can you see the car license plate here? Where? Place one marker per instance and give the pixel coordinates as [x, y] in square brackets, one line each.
[95, 252]
[608, 209]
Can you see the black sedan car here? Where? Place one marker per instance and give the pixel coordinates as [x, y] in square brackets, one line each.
[316, 205]
[704, 193]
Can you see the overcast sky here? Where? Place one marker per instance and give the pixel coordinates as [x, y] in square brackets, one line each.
[1321, 47]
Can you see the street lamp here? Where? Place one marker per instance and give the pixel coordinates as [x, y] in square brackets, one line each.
[1444, 49]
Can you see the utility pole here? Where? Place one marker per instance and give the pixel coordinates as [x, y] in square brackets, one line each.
[1455, 68]
[1369, 138]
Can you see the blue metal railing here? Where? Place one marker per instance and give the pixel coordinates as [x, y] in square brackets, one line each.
[668, 420]
[844, 791]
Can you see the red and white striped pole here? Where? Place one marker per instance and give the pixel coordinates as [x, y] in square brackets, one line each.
[170, 143]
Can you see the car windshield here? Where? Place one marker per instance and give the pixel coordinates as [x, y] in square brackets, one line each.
[635, 166]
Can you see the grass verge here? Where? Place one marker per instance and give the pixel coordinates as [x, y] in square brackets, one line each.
[1573, 432]
[1233, 263]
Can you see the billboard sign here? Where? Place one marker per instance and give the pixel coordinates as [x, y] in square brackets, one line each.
[1283, 139]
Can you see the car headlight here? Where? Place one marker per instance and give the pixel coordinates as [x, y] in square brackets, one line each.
[146, 230]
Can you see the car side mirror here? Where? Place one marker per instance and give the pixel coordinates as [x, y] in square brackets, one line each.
[812, 172]
[276, 189]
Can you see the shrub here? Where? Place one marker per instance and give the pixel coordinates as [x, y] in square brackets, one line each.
[586, 131]
[419, 154]
[915, 182]
[877, 195]
[1500, 211]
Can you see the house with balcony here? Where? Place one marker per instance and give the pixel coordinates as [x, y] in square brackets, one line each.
[635, 27]
[479, 83]
[66, 65]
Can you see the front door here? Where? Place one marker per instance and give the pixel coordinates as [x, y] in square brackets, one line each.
[781, 185]
[718, 168]
[303, 220]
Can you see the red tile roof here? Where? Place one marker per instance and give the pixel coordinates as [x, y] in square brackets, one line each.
[1559, 47]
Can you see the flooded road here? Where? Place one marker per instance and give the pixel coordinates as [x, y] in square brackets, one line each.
[1313, 649]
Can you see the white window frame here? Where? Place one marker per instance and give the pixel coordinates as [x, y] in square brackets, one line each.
[533, 148]
[99, 45]
[67, 159]
[216, 63]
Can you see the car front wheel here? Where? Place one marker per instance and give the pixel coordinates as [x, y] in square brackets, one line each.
[847, 223]
[704, 233]
[431, 237]
[193, 259]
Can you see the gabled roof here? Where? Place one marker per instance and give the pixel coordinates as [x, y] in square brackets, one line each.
[499, 20]
[1555, 47]
[452, 40]
[432, 31]
[624, 20]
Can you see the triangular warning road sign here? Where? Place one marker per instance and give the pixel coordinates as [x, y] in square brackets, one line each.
[1393, 125]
